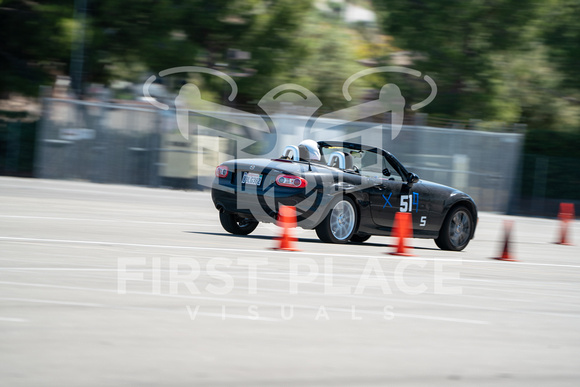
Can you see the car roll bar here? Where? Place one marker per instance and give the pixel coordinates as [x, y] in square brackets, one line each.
[291, 149]
[337, 158]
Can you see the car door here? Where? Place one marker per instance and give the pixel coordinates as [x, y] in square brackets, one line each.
[384, 199]
[388, 197]
[390, 193]
[416, 200]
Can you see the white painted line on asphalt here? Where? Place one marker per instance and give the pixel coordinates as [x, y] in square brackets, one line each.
[55, 269]
[228, 316]
[67, 303]
[12, 319]
[285, 277]
[267, 251]
[89, 191]
[522, 283]
[443, 319]
[49, 258]
[249, 302]
[389, 298]
[351, 296]
[105, 220]
[494, 309]
[156, 310]
[519, 300]
[560, 295]
[322, 283]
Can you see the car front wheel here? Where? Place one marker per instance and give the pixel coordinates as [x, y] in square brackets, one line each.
[456, 230]
[237, 225]
[340, 223]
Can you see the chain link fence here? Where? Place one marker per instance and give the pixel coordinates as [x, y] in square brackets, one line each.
[97, 142]
[132, 144]
[482, 164]
[546, 181]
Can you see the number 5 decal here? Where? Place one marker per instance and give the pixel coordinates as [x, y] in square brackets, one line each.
[423, 221]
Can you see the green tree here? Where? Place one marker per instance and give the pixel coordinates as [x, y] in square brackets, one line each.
[299, 44]
[561, 33]
[289, 41]
[36, 41]
[454, 42]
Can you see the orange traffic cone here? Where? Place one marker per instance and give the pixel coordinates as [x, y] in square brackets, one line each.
[566, 215]
[505, 255]
[287, 220]
[402, 230]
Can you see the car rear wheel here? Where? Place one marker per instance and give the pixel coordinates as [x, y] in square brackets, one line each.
[235, 224]
[340, 223]
[456, 230]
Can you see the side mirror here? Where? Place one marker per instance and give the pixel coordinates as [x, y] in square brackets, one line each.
[412, 179]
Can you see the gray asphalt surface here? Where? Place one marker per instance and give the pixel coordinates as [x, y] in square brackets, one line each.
[127, 286]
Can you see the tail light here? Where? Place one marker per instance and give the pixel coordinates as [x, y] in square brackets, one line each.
[291, 181]
[222, 171]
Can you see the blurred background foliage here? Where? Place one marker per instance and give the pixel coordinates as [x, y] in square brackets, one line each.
[499, 62]
[508, 61]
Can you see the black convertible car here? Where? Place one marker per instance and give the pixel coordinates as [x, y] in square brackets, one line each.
[348, 193]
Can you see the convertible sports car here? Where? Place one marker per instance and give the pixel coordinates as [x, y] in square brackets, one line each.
[346, 192]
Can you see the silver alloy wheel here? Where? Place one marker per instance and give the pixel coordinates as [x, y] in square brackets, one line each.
[342, 220]
[459, 228]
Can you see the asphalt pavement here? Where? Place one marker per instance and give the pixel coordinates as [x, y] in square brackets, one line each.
[130, 286]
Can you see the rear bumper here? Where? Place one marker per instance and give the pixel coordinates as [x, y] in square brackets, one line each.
[264, 205]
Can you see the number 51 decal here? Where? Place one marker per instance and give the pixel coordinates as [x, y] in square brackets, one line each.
[407, 202]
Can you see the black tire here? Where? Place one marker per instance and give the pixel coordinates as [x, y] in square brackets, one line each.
[339, 225]
[360, 238]
[455, 233]
[237, 225]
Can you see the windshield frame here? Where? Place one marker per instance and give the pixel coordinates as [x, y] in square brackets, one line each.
[391, 159]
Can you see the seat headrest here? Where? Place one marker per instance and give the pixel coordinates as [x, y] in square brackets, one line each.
[304, 153]
[348, 161]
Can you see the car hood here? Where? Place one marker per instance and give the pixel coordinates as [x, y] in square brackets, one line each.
[438, 187]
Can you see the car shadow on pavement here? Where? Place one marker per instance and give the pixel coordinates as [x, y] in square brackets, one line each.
[307, 240]
[253, 236]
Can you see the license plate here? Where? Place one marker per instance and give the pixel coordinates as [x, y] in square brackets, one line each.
[251, 178]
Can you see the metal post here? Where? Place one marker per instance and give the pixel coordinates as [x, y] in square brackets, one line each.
[78, 48]
[540, 182]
